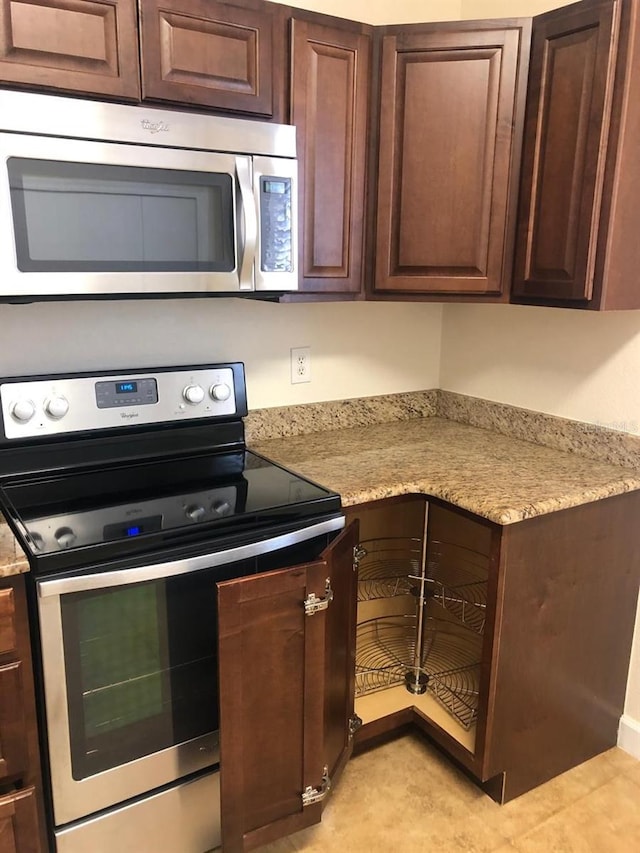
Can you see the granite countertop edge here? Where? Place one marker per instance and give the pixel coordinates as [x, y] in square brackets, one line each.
[502, 515]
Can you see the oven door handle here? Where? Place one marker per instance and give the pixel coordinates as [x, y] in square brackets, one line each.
[172, 568]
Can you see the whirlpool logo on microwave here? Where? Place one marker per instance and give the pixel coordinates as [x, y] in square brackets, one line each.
[154, 126]
[129, 416]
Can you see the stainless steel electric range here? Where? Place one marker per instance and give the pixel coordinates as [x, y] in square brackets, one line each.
[133, 494]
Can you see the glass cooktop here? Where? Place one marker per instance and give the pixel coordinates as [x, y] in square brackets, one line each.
[129, 508]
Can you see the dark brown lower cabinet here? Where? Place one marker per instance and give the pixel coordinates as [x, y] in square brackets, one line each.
[19, 822]
[525, 633]
[286, 643]
[21, 808]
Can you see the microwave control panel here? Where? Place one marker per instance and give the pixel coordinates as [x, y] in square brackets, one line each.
[276, 240]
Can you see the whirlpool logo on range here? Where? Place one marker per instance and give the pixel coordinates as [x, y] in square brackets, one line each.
[154, 126]
[129, 416]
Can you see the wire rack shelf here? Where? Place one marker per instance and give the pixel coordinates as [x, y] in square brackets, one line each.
[456, 579]
[447, 665]
[389, 567]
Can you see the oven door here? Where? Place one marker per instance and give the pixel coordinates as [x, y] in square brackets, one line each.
[129, 669]
[89, 218]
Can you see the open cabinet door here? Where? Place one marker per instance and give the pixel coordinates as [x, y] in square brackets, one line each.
[280, 699]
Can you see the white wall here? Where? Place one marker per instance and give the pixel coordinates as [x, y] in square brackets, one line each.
[576, 364]
[356, 349]
[385, 11]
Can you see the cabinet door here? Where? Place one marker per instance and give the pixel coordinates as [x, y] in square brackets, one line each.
[329, 98]
[275, 692]
[449, 157]
[13, 734]
[19, 822]
[572, 70]
[76, 45]
[210, 53]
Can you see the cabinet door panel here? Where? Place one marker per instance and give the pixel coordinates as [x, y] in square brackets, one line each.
[209, 53]
[78, 45]
[564, 155]
[271, 687]
[19, 822]
[8, 637]
[286, 693]
[329, 93]
[13, 736]
[448, 159]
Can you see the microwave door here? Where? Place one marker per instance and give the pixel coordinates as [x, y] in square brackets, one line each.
[89, 218]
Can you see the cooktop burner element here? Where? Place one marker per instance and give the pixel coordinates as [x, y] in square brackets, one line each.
[96, 468]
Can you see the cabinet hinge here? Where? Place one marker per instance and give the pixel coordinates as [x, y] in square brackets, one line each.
[358, 553]
[316, 795]
[354, 724]
[313, 604]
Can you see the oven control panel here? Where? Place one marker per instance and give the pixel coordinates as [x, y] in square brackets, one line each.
[67, 404]
[128, 521]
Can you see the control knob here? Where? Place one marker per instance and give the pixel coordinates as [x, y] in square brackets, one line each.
[193, 394]
[220, 392]
[65, 537]
[221, 507]
[195, 512]
[56, 407]
[36, 540]
[23, 410]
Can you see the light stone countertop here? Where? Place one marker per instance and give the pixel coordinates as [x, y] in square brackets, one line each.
[503, 479]
[12, 560]
[500, 478]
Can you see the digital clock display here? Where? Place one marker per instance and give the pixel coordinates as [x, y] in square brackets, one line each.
[126, 387]
[271, 186]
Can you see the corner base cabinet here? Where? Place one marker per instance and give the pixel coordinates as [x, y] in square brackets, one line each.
[286, 643]
[507, 646]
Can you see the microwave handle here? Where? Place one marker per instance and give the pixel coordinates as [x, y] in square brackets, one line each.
[250, 221]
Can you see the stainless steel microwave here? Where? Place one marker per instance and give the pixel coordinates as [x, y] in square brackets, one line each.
[114, 200]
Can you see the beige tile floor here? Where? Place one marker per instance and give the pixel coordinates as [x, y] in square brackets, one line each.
[404, 797]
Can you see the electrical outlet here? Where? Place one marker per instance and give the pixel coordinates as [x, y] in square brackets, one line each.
[300, 364]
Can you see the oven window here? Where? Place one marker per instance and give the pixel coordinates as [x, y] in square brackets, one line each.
[141, 669]
[89, 217]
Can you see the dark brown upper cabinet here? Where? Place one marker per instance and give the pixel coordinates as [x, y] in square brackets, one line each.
[329, 107]
[571, 73]
[87, 46]
[287, 678]
[213, 54]
[449, 152]
[577, 242]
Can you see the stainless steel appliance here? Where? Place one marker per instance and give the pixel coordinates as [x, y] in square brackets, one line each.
[133, 495]
[107, 199]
